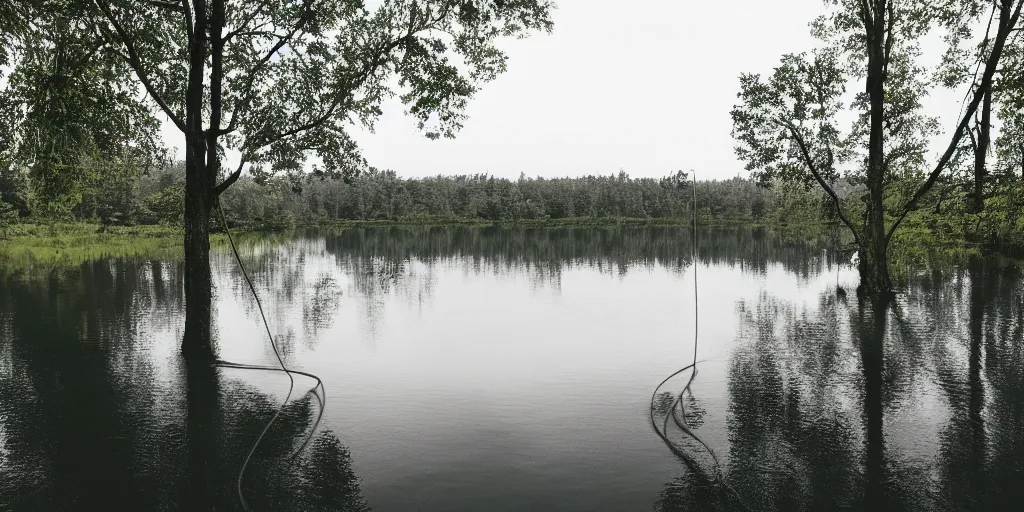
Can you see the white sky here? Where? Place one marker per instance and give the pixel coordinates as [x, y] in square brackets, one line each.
[643, 85]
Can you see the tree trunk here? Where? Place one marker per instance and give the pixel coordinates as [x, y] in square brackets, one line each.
[874, 267]
[197, 342]
[981, 151]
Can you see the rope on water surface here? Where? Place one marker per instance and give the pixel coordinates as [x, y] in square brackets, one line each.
[679, 418]
[283, 368]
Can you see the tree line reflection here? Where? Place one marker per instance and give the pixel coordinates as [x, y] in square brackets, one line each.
[98, 416]
[831, 407]
[841, 406]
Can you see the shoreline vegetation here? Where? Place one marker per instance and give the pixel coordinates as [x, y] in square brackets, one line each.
[143, 216]
[52, 244]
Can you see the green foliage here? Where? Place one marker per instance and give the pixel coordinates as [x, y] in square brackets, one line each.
[15, 188]
[165, 207]
[383, 196]
[953, 230]
[7, 216]
[788, 119]
[68, 105]
[288, 79]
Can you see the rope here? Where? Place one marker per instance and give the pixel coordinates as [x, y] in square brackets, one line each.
[319, 384]
[283, 368]
[695, 265]
[677, 411]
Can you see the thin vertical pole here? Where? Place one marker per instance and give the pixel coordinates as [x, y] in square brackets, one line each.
[695, 316]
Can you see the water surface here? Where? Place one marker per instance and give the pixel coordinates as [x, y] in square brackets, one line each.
[512, 370]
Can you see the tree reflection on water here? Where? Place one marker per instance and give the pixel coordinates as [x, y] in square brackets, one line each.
[94, 419]
[825, 403]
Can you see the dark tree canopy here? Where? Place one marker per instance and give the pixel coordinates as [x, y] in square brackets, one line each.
[289, 79]
[70, 111]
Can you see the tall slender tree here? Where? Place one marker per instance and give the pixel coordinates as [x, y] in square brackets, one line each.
[788, 126]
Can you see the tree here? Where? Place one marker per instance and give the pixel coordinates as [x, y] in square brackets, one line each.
[1010, 142]
[788, 125]
[70, 110]
[281, 82]
[961, 66]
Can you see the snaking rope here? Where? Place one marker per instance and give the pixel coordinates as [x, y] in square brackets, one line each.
[291, 379]
[677, 411]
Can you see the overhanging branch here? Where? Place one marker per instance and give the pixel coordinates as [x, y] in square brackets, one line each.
[136, 64]
[809, 162]
[230, 180]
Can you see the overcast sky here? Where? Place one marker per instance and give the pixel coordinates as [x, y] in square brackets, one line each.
[642, 85]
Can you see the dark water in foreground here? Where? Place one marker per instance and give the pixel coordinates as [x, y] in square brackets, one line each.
[512, 370]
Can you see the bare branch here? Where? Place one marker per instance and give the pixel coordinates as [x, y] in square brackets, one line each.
[90, 52]
[245, 21]
[258, 33]
[809, 162]
[230, 180]
[136, 65]
[171, 6]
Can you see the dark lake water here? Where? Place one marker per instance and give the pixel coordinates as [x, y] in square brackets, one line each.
[510, 370]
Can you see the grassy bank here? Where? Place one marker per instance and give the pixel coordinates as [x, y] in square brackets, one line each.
[49, 245]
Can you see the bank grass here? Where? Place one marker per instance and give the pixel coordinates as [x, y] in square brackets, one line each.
[64, 244]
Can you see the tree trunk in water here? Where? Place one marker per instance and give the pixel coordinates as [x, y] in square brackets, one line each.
[874, 267]
[980, 152]
[874, 262]
[197, 342]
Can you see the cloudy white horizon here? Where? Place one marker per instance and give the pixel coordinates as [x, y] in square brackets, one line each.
[646, 88]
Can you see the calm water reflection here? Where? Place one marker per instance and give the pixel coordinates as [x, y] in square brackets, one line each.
[512, 370]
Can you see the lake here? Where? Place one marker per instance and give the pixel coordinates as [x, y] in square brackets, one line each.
[512, 370]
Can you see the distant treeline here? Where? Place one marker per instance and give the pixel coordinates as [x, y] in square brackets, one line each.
[119, 197]
[385, 196]
[157, 197]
